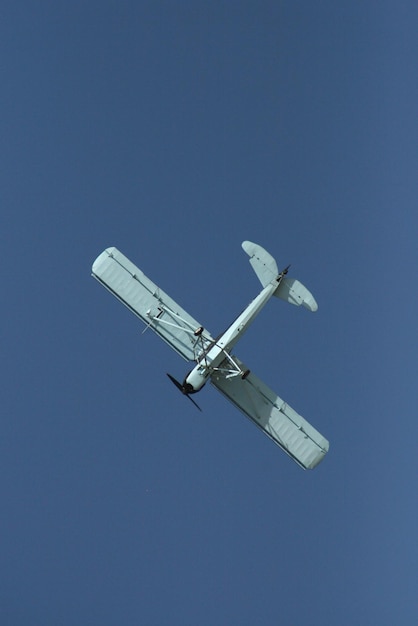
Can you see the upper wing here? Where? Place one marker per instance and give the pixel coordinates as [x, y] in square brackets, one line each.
[276, 418]
[154, 307]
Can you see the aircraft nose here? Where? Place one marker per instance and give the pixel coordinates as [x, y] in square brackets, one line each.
[187, 387]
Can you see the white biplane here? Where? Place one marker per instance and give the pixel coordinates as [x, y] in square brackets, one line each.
[213, 356]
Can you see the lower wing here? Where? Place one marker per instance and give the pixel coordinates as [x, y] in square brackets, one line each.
[276, 418]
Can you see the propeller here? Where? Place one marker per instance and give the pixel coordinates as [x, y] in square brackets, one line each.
[183, 390]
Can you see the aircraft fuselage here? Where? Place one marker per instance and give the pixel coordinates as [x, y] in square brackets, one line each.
[199, 375]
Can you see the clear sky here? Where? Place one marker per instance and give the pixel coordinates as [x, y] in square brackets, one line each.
[174, 131]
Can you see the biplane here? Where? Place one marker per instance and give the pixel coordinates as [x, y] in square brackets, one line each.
[213, 357]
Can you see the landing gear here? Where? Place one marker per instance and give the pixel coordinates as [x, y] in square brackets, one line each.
[245, 374]
[198, 331]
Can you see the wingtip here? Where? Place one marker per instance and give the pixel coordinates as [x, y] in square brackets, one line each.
[249, 247]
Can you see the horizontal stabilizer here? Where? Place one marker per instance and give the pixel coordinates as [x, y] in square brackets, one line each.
[292, 291]
[262, 262]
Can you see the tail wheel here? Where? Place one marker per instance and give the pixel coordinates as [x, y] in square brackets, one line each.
[245, 374]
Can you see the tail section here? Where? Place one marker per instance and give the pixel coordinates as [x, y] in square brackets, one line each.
[289, 289]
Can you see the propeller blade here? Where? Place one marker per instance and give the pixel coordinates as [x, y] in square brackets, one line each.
[194, 402]
[176, 383]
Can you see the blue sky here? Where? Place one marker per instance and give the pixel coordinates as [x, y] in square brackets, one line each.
[174, 131]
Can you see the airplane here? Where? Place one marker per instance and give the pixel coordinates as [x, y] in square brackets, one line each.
[213, 357]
